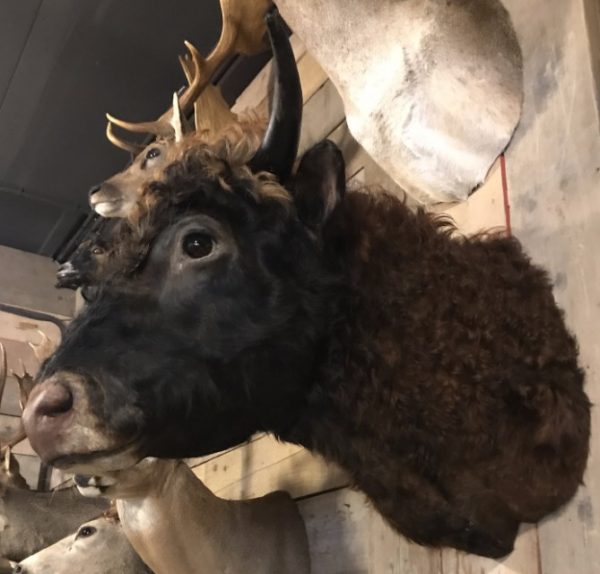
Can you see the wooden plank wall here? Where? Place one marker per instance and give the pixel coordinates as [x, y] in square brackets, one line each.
[547, 187]
[553, 176]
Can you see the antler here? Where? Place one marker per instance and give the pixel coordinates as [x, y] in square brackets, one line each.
[131, 147]
[25, 381]
[26, 384]
[44, 349]
[243, 32]
[211, 112]
[20, 435]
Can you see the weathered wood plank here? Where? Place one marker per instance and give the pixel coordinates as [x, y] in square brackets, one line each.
[265, 465]
[257, 90]
[323, 113]
[554, 184]
[357, 180]
[312, 76]
[17, 333]
[347, 536]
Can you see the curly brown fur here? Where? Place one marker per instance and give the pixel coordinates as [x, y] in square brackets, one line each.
[220, 167]
[454, 376]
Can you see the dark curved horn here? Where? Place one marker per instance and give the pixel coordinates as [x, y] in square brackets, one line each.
[279, 147]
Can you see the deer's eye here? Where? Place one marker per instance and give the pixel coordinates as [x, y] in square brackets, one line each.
[97, 251]
[152, 153]
[86, 532]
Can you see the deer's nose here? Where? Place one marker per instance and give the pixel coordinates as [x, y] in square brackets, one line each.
[94, 189]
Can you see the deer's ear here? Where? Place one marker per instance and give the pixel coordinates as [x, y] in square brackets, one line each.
[319, 184]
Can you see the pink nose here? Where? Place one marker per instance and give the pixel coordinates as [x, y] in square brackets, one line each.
[47, 417]
[53, 400]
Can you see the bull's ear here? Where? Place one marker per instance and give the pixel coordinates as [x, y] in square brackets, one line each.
[319, 184]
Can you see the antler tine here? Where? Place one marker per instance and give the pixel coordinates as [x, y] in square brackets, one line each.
[236, 15]
[158, 128]
[188, 67]
[44, 349]
[200, 77]
[26, 384]
[211, 112]
[121, 143]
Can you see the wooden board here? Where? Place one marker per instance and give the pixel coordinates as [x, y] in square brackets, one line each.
[322, 114]
[257, 90]
[23, 330]
[312, 76]
[265, 465]
[347, 536]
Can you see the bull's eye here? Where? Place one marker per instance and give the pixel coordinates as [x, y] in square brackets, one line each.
[197, 245]
[97, 251]
[152, 153]
[86, 532]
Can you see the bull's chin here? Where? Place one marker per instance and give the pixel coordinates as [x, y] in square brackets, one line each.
[99, 462]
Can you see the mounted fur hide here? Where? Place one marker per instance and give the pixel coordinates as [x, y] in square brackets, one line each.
[432, 89]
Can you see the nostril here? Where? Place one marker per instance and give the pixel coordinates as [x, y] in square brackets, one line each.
[55, 401]
[94, 189]
[81, 480]
[18, 569]
[66, 269]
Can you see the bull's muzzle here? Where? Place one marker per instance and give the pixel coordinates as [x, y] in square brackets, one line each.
[48, 415]
[67, 276]
[66, 432]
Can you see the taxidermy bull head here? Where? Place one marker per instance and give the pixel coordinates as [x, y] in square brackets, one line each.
[242, 299]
